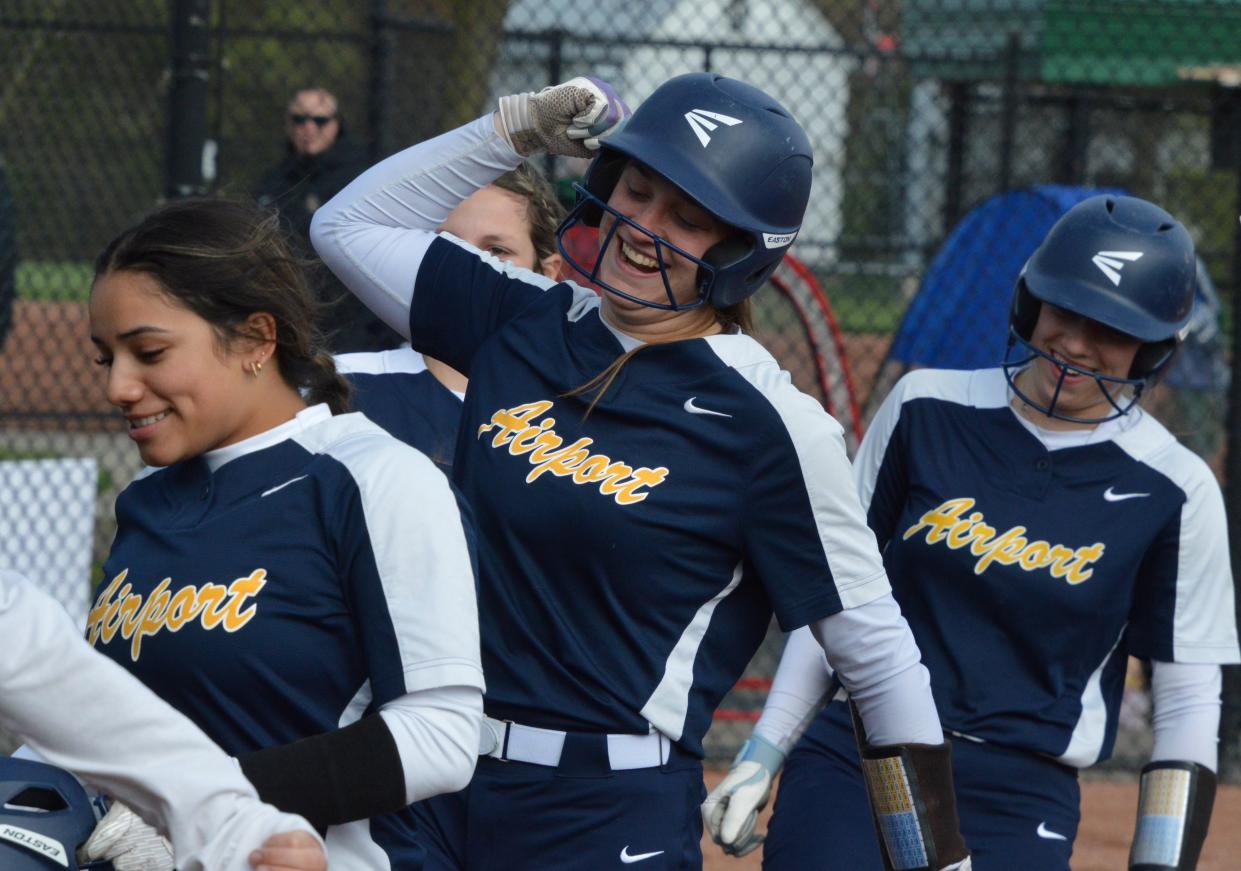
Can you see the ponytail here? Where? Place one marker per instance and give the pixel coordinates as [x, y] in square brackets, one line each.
[602, 382]
[318, 378]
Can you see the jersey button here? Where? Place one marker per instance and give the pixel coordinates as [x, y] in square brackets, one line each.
[1043, 465]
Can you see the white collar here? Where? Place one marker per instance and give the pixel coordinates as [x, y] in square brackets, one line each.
[1057, 439]
[627, 342]
[303, 420]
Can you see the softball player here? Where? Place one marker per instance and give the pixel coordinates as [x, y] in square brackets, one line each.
[416, 398]
[1039, 528]
[648, 485]
[295, 581]
[166, 768]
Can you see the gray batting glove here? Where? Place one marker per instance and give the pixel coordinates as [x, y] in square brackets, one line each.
[122, 838]
[567, 119]
[730, 812]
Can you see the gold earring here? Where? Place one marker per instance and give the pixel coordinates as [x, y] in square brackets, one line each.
[255, 368]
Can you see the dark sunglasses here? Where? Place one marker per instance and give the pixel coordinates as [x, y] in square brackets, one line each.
[297, 119]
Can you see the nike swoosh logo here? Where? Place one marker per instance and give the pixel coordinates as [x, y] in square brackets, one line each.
[282, 486]
[1044, 832]
[695, 409]
[1111, 496]
[629, 858]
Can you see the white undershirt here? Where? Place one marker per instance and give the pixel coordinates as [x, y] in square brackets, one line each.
[1057, 439]
[1186, 701]
[875, 658]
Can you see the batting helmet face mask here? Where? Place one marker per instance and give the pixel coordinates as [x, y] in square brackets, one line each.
[730, 148]
[1121, 262]
[45, 815]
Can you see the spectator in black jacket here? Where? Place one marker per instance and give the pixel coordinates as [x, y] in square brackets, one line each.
[321, 159]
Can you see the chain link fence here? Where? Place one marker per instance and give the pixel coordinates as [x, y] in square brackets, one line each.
[984, 117]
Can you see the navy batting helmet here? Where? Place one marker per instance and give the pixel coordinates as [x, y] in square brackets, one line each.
[735, 151]
[1122, 262]
[45, 815]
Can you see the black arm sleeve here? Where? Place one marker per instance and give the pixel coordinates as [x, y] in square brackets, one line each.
[337, 777]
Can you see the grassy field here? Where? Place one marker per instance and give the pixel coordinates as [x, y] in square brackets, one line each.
[862, 303]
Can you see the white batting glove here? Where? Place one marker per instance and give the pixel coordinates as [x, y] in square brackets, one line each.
[964, 865]
[730, 812]
[122, 838]
[568, 119]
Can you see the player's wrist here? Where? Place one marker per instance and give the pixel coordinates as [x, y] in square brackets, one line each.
[758, 749]
[515, 123]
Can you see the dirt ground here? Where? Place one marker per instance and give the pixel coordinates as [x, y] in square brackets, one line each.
[47, 369]
[1102, 842]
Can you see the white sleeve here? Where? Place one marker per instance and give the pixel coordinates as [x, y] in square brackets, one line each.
[874, 444]
[797, 691]
[412, 582]
[375, 232]
[875, 656]
[1186, 702]
[82, 712]
[1204, 622]
[436, 734]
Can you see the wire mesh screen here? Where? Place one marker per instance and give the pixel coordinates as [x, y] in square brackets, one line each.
[948, 135]
[81, 154]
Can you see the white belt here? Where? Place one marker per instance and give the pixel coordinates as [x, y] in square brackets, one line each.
[513, 742]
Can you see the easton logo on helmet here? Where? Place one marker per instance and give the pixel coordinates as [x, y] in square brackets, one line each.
[702, 123]
[779, 240]
[1111, 262]
[40, 844]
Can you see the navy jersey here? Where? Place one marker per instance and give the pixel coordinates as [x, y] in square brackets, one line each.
[1028, 574]
[630, 560]
[303, 583]
[395, 390]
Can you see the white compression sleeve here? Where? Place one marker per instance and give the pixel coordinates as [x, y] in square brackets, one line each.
[876, 658]
[436, 734]
[375, 232]
[136, 748]
[1186, 701]
[798, 689]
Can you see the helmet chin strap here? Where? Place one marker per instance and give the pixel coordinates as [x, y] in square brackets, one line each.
[706, 272]
[1013, 369]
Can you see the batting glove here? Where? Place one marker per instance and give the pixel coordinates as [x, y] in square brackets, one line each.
[122, 838]
[567, 119]
[730, 812]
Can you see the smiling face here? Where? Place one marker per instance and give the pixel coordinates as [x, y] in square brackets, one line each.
[661, 208]
[1086, 344]
[180, 391]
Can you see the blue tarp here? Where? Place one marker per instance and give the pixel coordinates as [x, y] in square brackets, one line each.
[959, 317]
